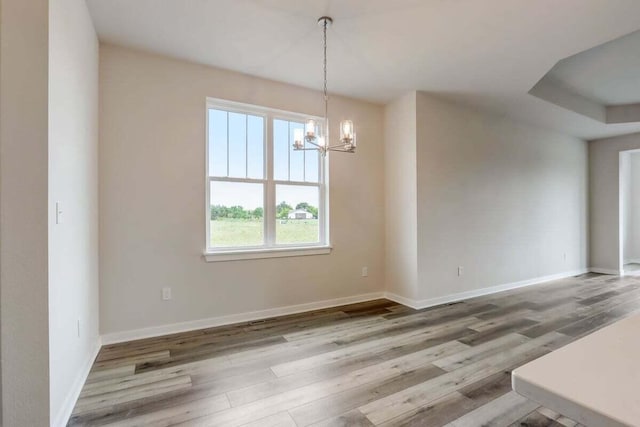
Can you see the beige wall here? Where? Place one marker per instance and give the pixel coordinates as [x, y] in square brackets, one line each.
[152, 143]
[504, 200]
[73, 181]
[400, 197]
[604, 181]
[23, 212]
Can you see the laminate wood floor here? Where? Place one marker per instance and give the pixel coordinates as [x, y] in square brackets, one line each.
[375, 363]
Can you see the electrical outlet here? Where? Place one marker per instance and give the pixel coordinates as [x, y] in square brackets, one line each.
[365, 271]
[564, 256]
[460, 271]
[166, 294]
[78, 328]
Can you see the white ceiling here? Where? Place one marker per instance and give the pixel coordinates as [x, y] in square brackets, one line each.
[486, 53]
[608, 74]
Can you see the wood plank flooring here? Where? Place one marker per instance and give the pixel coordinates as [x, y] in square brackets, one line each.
[371, 364]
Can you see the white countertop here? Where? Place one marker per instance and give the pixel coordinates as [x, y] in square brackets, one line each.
[594, 380]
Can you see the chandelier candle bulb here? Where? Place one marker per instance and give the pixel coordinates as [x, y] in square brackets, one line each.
[346, 131]
[310, 128]
[347, 128]
[297, 139]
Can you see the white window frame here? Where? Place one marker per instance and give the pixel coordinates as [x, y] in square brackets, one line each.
[270, 249]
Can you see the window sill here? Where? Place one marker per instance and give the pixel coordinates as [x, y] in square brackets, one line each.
[266, 253]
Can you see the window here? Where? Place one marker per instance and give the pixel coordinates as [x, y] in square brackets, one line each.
[264, 199]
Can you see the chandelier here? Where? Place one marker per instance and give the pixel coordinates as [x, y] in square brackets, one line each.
[316, 137]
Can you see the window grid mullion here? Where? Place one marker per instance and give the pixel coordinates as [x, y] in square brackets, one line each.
[228, 154]
[240, 180]
[299, 183]
[288, 150]
[246, 145]
[270, 208]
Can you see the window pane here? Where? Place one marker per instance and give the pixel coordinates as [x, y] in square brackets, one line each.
[297, 214]
[255, 144]
[237, 145]
[296, 171]
[311, 166]
[281, 150]
[217, 142]
[236, 214]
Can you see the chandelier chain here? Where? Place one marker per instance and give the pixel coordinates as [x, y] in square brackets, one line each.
[326, 96]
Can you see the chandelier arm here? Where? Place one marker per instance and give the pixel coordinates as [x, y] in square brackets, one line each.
[337, 146]
[314, 144]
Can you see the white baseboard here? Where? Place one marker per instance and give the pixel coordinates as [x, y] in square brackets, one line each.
[431, 302]
[72, 397]
[409, 302]
[604, 271]
[117, 337]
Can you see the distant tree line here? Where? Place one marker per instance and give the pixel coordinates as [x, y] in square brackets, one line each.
[235, 212]
[238, 212]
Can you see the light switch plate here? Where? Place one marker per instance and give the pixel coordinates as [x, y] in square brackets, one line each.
[58, 212]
